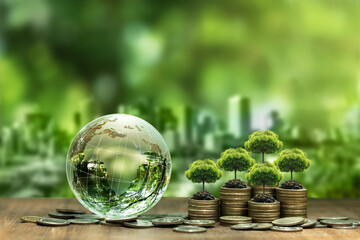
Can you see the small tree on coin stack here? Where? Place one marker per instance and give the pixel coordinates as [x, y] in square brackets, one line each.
[203, 171]
[263, 207]
[263, 142]
[291, 194]
[234, 195]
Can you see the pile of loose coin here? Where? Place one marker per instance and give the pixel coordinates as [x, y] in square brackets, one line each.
[180, 223]
[296, 224]
[63, 217]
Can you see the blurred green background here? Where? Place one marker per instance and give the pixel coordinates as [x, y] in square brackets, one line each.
[205, 73]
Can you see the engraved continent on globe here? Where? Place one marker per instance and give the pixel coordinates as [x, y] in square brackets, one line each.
[118, 165]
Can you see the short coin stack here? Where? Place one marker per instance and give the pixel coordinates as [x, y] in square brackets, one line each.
[234, 201]
[204, 209]
[264, 212]
[234, 220]
[293, 202]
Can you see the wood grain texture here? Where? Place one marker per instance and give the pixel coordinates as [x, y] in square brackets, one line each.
[12, 228]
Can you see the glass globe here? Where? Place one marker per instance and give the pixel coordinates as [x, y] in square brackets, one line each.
[118, 166]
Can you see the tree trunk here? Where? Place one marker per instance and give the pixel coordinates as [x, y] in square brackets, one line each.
[263, 157]
[263, 188]
[235, 173]
[203, 185]
[291, 175]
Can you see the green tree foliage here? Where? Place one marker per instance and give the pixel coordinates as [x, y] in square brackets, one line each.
[203, 171]
[292, 160]
[264, 173]
[235, 160]
[263, 142]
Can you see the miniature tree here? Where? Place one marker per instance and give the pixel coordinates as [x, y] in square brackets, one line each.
[292, 160]
[235, 160]
[203, 171]
[263, 142]
[264, 173]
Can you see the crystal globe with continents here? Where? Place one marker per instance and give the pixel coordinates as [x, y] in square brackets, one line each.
[118, 166]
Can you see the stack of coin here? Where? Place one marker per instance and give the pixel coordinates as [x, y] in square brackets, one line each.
[234, 220]
[293, 202]
[234, 201]
[270, 189]
[204, 209]
[264, 212]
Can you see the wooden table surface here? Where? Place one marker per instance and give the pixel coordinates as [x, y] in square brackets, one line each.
[12, 209]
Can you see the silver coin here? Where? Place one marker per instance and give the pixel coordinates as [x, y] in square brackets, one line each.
[286, 229]
[104, 223]
[83, 221]
[29, 219]
[189, 229]
[89, 216]
[201, 223]
[168, 221]
[182, 215]
[345, 227]
[53, 222]
[355, 222]
[55, 214]
[67, 210]
[336, 222]
[288, 221]
[139, 224]
[310, 223]
[333, 218]
[263, 226]
[319, 225]
[120, 220]
[243, 226]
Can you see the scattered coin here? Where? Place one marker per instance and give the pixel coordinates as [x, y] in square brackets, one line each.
[310, 223]
[120, 220]
[319, 225]
[336, 222]
[30, 219]
[262, 226]
[53, 222]
[83, 221]
[286, 229]
[201, 223]
[345, 227]
[66, 210]
[168, 221]
[90, 216]
[333, 218]
[104, 223]
[288, 221]
[55, 214]
[243, 226]
[139, 224]
[355, 222]
[189, 229]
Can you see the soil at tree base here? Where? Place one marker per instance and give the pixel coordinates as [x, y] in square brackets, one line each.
[291, 184]
[263, 198]
[235, 183]
[203, 195]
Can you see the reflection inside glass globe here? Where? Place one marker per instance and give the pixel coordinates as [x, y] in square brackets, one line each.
[118, 165]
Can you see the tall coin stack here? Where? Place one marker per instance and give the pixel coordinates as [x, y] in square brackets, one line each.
[234, 201]
[270, 189]
[293, 202]
[203, 209]
[264, 212]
